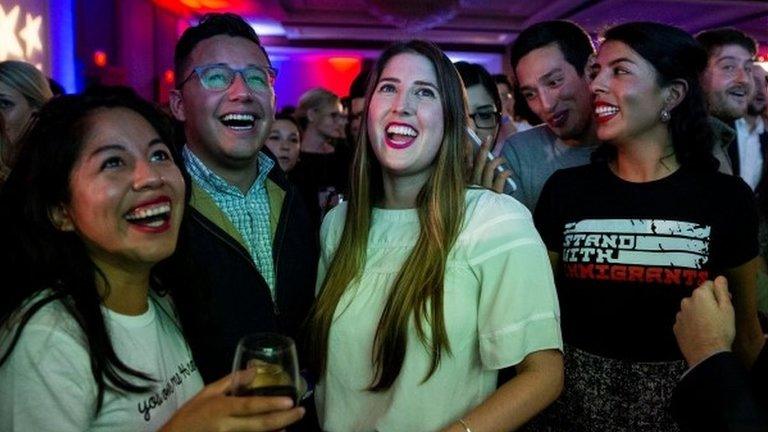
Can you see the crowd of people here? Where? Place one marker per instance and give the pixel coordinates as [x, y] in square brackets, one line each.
[618, 285]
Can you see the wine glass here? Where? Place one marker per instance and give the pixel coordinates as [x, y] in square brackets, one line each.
[265, 365]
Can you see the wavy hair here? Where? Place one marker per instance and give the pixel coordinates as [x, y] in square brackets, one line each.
[417, 291]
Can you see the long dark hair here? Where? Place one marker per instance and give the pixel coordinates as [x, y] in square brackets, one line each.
[41, 263]
[675, 55]
[474, 74]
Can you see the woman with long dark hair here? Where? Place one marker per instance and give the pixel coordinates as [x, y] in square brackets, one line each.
[428, 287]
[484, 105]
[636, 231]
[88, 338]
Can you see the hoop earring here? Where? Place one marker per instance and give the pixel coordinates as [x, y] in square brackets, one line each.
[665, 116]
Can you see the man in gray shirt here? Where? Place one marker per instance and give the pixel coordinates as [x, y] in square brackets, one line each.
[549, 60]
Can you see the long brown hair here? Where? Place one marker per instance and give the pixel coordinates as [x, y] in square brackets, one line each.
[418, 288]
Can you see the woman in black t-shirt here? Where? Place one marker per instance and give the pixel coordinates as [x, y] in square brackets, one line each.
[636, 231]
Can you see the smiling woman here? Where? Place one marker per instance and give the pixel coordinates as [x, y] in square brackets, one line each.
[95, 202]
[428, 287]
[93, 205]
[639, 229]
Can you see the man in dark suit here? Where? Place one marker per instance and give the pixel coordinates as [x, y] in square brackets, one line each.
[717, 393]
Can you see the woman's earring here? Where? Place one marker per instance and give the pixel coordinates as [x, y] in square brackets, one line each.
[665, 116]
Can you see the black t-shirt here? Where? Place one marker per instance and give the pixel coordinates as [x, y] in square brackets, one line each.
[630, 252]
[321, 177]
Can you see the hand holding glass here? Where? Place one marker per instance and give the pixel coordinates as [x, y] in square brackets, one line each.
[265, 365]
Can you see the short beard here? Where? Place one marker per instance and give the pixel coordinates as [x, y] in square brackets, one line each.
[727, 115]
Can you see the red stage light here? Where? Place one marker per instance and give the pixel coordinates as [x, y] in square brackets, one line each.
[336, 72]
[207, 4]
[344, 64]
[762, 53]
[100, 58]
[169, 76]
[184, 7]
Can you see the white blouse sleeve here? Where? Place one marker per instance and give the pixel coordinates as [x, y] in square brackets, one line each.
[518, 311]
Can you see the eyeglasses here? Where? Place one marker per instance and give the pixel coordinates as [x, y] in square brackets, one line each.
[220, 77]
[486, 119]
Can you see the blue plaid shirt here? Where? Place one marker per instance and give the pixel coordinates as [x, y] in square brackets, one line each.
[248, 212]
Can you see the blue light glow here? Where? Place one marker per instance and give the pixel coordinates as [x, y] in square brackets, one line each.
[62, 44]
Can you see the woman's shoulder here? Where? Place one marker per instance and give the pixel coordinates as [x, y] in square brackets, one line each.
[332, 226]
[334, 217]
[495, 215]
[487, 204]
[51, 334]
[726, 182]
[50, 315]
[494, 222]
[723, 188]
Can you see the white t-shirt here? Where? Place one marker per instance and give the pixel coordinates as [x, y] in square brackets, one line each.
[47, 384]
[499, 301]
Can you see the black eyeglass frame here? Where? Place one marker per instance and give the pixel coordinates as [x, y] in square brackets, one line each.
[496, 116]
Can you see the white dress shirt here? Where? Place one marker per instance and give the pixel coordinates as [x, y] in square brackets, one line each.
[750, 156]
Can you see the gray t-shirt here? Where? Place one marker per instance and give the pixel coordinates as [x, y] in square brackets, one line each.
[534, 155]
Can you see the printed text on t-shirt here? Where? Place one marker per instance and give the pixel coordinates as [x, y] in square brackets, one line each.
[637, 250]
[185, 370]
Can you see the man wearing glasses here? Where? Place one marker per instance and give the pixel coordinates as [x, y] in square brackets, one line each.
[248, 235]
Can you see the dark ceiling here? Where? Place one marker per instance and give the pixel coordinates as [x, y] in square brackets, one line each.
[487, 24]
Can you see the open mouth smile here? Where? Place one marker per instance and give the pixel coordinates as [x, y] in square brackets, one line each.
[604, 112]
[400, 136]
[239, 121]
[152, 216]
[738, 93]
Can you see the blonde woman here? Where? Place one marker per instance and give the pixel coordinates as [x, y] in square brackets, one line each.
[322, 171]
[23, 90]
[428, 287]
